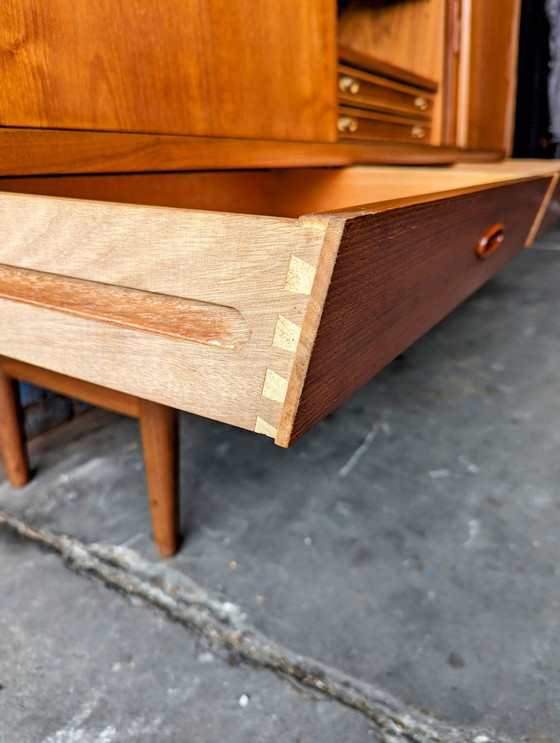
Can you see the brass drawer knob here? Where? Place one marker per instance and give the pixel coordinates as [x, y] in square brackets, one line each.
[490, 241]
[421, 103]
[347, 124]
[348, 84]
[418, 132]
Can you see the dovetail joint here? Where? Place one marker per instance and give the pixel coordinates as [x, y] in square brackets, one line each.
[301, 276]
[286, 334]
[261, 426]
[275, 387]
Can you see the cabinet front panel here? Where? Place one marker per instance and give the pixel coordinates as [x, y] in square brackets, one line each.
[201, 67]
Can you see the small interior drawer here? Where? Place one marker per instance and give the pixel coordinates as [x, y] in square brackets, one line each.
[356, 123]
[210, 293]
[364, 90]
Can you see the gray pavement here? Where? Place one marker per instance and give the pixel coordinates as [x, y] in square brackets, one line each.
[410, 540]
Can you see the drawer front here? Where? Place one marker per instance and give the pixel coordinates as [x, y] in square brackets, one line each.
[362, 90]
[355, 123]
[397, 273]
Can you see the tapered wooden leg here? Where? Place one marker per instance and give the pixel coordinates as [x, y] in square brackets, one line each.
[12, 440]
[159, 430]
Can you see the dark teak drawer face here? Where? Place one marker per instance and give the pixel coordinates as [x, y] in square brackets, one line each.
[397, 274]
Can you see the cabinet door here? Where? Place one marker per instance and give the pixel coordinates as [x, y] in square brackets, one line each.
[199, 67]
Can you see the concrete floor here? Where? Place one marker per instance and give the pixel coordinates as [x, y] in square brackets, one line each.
[410, 540]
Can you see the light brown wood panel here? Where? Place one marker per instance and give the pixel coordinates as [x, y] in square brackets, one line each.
[381, 67]
[201, 67]
[173, 317]
[32, 151]
[492, 73]
[408, 35]
[260, 266]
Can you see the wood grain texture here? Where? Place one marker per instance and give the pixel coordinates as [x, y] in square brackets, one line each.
[407, 36]
[173, 317]
[13, 450]
[207, 68]
[283, 193]
[35, 152]
[397, 273]
[240, 262]
[492, 74]
[510, 168]
[160, 444]
[349, 55]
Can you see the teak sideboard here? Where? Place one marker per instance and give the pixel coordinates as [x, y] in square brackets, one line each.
[246, 210]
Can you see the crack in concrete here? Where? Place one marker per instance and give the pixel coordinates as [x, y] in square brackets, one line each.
[224, 623]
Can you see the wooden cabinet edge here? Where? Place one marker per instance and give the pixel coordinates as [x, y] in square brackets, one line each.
[326, 262]
[503, 179]
[64, 152]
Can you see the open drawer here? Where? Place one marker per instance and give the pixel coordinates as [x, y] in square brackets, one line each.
[250, 313]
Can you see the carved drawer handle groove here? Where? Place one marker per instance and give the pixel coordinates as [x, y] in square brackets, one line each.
[150, 312]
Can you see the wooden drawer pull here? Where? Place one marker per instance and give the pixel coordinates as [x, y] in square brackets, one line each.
[418, 132]
[348, 84]
[347, 124]
[490, 241]
[421, 103]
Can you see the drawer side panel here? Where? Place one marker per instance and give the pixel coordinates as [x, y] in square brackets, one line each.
[195, 310]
